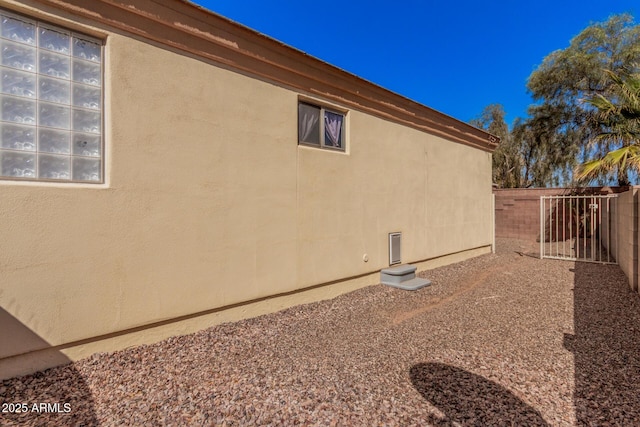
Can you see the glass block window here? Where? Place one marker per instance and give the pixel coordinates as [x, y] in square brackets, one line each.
[50, 103]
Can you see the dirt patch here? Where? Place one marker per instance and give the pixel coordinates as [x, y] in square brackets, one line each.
[468, 283]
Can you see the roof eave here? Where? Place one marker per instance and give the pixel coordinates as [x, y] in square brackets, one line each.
[185, 26]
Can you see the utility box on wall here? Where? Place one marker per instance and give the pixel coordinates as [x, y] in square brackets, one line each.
[395, 240]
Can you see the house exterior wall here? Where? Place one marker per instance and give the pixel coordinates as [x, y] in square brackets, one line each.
[210, 204]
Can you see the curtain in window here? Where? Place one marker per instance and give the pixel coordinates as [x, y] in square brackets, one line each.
[333, 129]
[308, 120]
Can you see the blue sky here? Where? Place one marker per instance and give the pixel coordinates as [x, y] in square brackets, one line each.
[456, 57]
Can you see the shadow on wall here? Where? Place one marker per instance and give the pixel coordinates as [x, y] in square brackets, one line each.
[57, 396]
[606, 347]
[470, 399]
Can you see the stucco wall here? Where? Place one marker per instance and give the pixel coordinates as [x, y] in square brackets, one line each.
[209, 202]
[393, 179]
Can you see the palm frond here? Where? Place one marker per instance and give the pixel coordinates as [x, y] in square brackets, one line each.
[620, 160]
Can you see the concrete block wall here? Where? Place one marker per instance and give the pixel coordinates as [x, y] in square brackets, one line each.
[517, 210]
[625, 245]
[517, 215]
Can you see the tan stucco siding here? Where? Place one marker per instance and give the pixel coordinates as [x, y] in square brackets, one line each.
[209, 201]
[198, 210]
[393, 179]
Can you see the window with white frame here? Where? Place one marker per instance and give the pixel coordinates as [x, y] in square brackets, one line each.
[320, 127]
[50, 102]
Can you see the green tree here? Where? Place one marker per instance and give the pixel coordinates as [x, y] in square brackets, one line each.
[539, 158]
[618, 120]
[560, 124]
[522, 159]
[507, 163]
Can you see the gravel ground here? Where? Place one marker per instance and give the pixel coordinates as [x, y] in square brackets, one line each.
[502, 339]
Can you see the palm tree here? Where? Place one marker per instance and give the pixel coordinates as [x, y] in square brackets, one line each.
[618, 123]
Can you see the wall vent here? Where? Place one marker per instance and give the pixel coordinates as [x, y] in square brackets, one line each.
[394, 248]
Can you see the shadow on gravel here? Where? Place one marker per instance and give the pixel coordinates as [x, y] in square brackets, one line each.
[470, 399]
[55, 397]
[606, 347]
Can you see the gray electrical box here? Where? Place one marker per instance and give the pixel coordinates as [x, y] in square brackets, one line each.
[395, 240]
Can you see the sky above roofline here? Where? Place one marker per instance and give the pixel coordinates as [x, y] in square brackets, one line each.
[455, 57]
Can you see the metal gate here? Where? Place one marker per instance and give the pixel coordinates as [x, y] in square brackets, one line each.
[579, 228]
